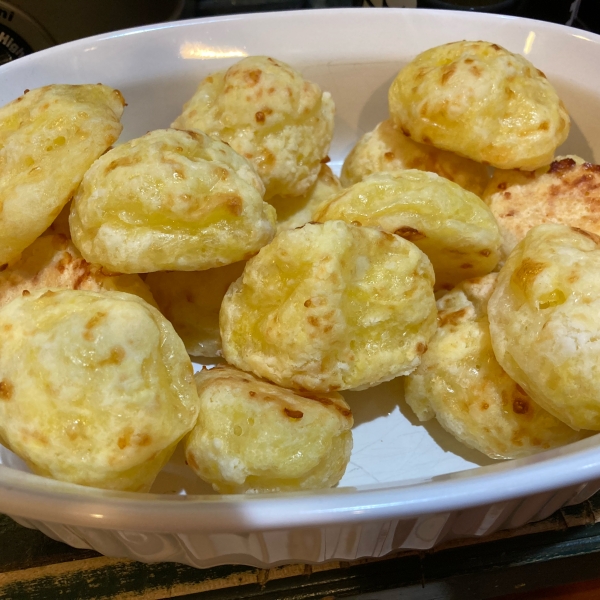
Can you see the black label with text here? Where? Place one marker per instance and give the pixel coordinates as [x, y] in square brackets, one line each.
[12, 45]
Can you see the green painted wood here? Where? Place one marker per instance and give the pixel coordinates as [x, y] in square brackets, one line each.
[338, 583]
[22, 548]
[513, 552]
[108, 582]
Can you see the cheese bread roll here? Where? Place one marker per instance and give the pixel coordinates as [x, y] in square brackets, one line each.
[60, 225]
[48, 139]
[460, 382]
[388, 149]
[329, 307]
[452, 226]
[481, 101]
[95, 388]
[170, 200]
[253, 436]
[545, 321]
[295, 212]
[566, 191]
[192, 301]
[53, 262]
[266, 111]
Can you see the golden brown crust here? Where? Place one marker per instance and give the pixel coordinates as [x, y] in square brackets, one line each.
[295, 212]
[544, 321]
[170, 200]
[388, 149]
[60, 225]
[460, 382]
[192, 301]
[329, 307]
[53, 262]
[567, 191]
[481, 101]
[452, 226]
[48, 139]
[98, 387]
[253, 436]
[271, 115]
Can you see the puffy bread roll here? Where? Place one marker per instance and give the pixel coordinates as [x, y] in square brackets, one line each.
[53, 262]
[48, 139]
[452, 226]
[566, 191]
[388, 149]
[192, 301]
[95, 388]
[266, 111]
[481, 101]
[60, 225]
[460, 382]
[170, 200]
[329, 307]
[545, 321]
[253, 436]
[295, 212]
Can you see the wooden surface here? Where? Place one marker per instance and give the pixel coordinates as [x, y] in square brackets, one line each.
[557, 552]
[587, 590]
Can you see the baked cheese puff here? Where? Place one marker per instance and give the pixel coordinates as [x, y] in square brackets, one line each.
[253, 436]
[53, 262]
[295, 212]
[566, 191]
[269, 114]
[60, 225]
[170, 200]
[191, 301]
[388, 149]
[452, 226]
[329, 307]
[95, 388]
[545, 321]
[481, 101]
[48, 139]
[460, 382]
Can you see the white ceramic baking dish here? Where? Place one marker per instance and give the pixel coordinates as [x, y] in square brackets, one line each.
[408, 485]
